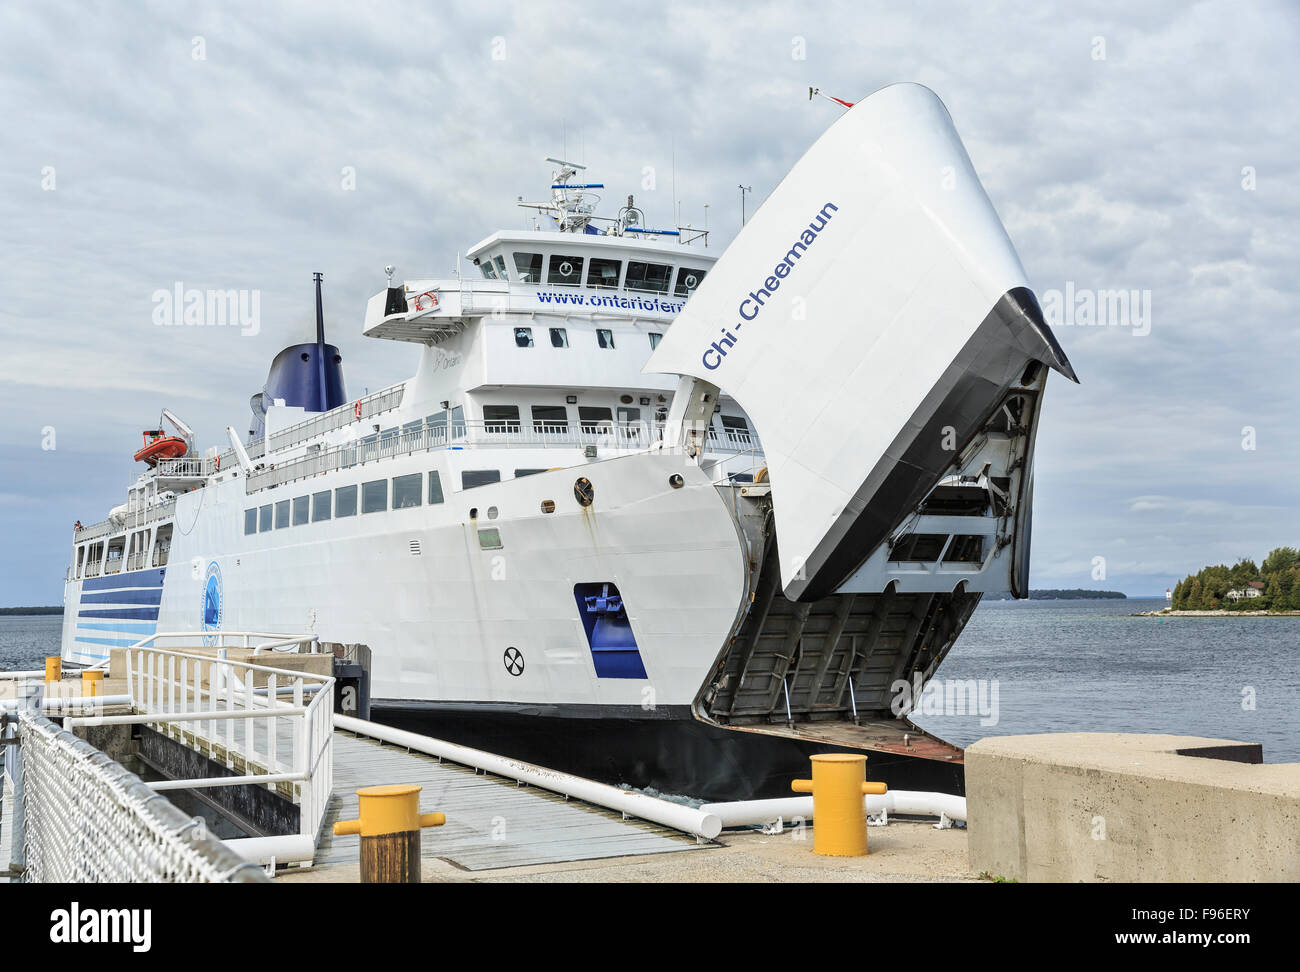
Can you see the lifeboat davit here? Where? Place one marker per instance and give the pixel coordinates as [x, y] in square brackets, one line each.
[158, 447]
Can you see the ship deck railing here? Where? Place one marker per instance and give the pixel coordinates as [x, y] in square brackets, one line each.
[128, 521]
[524, 434]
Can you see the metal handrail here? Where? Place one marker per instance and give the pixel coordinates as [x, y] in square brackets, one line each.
[478, 434]
[211, 695]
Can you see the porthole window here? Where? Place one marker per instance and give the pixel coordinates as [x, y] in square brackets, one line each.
[583, 491]
[676, 481]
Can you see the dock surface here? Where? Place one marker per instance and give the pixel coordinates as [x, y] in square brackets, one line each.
[491, 822]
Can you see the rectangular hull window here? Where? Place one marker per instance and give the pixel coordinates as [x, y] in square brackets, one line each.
[614, 650]
[469, 478]
[374, 496]
[406, 490]
[345, 501]
[435, 488]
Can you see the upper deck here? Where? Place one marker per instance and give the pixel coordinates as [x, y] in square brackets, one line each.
[576, 268]
[532, 272]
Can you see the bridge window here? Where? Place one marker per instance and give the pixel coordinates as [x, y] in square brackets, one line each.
[374, 496]
[650, 278]
[406, 491]
[566, 271]
[529, 267]
[603, 274]
[488, 270]
[687, 280]
[264, 518]
[605, 338]
[559, 337]
[301, 510]
[281, 514]
[435, 487]
[320, 506]
[345, 501]
[595, 419]
[501, 418]
[655, 338]
[250, 521]
[469, 478]
[523, 337]
[500, 261]
[629, 420]
[550, 418]
[736, 429]
[458, 422]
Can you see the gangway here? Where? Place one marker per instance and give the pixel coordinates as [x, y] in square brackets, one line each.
[245, 721]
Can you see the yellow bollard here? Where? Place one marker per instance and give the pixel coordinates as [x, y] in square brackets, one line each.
[839, 816]
[53, 668]
[389, 823]
[92, 684]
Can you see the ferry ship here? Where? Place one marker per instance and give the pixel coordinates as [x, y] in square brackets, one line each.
[643, 512]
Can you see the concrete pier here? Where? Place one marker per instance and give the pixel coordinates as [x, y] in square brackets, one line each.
[1131, 807]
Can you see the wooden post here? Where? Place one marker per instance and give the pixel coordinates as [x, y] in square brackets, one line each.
[389, 823]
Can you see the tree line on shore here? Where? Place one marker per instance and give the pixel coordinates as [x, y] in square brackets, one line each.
[1279, 575]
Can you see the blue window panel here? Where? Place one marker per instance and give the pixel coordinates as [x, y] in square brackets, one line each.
[614, 650]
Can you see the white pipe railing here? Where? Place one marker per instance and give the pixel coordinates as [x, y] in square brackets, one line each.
[752, 813]
[222, 704]
[689, 820]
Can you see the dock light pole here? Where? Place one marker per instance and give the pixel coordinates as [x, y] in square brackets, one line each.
[389, 823]
[743, 190]
[839, 812]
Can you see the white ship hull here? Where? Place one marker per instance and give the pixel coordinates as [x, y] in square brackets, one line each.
[535, 546]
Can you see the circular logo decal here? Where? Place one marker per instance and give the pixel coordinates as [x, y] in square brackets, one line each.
[514, 660]
[212, 608]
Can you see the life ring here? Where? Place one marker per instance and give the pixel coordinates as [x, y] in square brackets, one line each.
[356, 409]
[216, 463]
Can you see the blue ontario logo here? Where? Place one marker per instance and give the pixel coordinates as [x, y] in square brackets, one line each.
[212, 607]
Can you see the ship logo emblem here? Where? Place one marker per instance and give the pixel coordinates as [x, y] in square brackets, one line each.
[514, 660]
[212, 607]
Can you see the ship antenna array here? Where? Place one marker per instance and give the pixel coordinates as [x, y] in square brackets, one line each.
[573, 206]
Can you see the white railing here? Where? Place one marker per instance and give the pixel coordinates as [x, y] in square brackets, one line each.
[493, 435]
[85, 818]
[189, 467]
[270, 726]
[335, 418]
[135, 518]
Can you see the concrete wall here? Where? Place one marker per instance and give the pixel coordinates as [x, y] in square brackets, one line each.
[1129, 807]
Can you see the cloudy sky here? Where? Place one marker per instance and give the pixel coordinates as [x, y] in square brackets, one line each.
[156, 143]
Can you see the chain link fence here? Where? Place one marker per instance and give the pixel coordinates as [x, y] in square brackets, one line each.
[88, 819]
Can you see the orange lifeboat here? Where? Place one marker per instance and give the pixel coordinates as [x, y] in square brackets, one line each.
[158, 447]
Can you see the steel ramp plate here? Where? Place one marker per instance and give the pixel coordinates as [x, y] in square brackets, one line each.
[491, 822]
